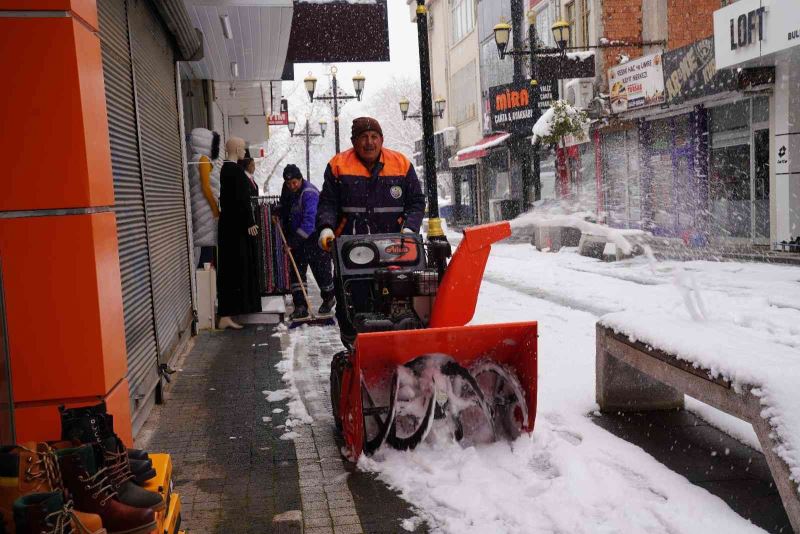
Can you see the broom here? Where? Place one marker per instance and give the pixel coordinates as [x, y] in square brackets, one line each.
[313, 320]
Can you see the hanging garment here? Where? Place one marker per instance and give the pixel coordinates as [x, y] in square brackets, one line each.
[238, 289]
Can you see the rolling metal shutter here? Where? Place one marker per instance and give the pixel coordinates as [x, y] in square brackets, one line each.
[162, 168]
[129, 204]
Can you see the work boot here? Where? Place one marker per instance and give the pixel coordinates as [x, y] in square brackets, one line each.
[77, 424]
[92, 491]
[328, 302]
[33, 469]
[114, 458]
[300, 313]
[47, 513]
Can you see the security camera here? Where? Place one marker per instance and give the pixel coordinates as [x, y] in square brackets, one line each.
[246, 120]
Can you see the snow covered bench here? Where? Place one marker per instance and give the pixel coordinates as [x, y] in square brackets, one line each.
[746, 376]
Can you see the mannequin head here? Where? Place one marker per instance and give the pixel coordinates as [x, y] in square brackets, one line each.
[235, 148]
[205, 142]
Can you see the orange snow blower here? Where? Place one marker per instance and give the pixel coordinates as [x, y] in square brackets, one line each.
[415, 369]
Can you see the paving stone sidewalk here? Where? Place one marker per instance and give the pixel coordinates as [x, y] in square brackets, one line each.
[232, 469]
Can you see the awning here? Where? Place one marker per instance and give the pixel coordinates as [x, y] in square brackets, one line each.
[481, 148]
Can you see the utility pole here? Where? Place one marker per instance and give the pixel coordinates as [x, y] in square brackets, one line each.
[537, 113]
[519, 140]
[438, 247]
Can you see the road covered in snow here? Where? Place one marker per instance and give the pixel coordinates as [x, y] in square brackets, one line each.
[571, 475]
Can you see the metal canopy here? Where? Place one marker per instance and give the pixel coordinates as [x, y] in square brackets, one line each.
[259, 38]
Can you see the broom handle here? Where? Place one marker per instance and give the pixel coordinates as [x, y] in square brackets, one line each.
[296, 270]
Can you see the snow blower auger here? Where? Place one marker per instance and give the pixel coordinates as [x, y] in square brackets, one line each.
[415, 368]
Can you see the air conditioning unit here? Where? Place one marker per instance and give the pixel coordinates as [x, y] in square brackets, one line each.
[450, 137]
[579, 92]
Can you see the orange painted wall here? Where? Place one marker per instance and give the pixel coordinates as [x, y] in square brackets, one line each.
[64, 305]
[85, 9]
[61, 155]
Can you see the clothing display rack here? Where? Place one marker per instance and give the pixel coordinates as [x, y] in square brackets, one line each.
[273, 262]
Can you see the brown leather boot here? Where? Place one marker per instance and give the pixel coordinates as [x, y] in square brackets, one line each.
[115, 459]
[92, 491]
[47, 513]
[30, 469]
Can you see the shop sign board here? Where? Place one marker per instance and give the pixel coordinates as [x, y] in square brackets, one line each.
[282, 117]
[690, 72]
[637, 83]
[750, 29]
[511, 108]
[567, 67]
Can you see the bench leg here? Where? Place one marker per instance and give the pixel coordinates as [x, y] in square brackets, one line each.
[780, 473]
[622, 388]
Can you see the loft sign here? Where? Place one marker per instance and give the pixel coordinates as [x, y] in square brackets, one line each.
[747, 28]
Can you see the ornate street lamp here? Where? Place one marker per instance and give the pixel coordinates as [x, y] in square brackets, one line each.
[311, 85]
[291, 126]
[404, 104]
[306, 133]
[438, 107]
[502, 33]
[561, 32]
[323, 125]
[334, 96]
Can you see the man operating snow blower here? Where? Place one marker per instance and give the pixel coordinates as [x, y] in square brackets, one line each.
[368, 189]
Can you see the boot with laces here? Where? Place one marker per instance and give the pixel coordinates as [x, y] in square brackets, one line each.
[31, 468]
[47, 513]
[84, 424]
[92, 491]
[115, 459]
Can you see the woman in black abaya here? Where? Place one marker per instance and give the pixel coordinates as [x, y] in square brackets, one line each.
[237, 274]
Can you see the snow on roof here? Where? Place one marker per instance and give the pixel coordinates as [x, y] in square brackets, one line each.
[443, 130]
[487, 142]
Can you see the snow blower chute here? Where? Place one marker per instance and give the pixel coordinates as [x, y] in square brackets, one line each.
[415, 368]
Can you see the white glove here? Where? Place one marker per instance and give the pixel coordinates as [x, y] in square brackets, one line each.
[326, 239]
[408, 231]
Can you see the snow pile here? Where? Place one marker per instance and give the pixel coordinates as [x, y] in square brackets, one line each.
[619, 237]
[747, 359]
[298, 415]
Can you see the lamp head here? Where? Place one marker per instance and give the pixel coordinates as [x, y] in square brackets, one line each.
[291, 126]
[561, 32]
[404, 103]
[311, 85]
[358, 84]
[502, 33]
[323, 125]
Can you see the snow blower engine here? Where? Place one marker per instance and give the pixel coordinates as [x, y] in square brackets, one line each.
[416, 369]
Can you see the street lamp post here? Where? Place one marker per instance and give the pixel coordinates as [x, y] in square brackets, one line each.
[438, 247]
[323, 125]
[438, 109]
[358, 84]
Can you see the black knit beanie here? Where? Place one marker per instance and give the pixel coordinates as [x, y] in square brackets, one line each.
[292, 172]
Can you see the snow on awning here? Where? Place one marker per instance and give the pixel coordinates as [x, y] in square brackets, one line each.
[481, 148]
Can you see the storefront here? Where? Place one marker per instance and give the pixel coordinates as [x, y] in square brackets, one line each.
[147, 154]
[484, 172]
[758, 135]
[621, 190]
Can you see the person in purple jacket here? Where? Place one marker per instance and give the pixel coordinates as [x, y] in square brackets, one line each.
[299, 200]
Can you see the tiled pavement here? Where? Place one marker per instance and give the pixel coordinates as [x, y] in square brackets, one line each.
[232, 470]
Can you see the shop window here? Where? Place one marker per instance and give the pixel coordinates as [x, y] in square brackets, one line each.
[569, 9]
[760, 109]
[462, 19]
[584, 22]
[464, 94]
[761, 182]
[729, 191]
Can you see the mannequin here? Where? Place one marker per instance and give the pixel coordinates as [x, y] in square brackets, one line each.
[204, 169]
[237, 274]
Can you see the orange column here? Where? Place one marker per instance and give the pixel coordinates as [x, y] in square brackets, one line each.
[58, 235]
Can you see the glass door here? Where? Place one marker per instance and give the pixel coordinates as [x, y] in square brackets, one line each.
[761, 186]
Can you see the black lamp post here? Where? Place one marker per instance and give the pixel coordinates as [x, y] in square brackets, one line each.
[358, 84]
[306, 132]
[438, 247]
[438, 108]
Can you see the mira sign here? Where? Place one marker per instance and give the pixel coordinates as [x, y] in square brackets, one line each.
[749, 29]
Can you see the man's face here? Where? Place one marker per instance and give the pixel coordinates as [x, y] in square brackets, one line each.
[294, 184]
[368, 146]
